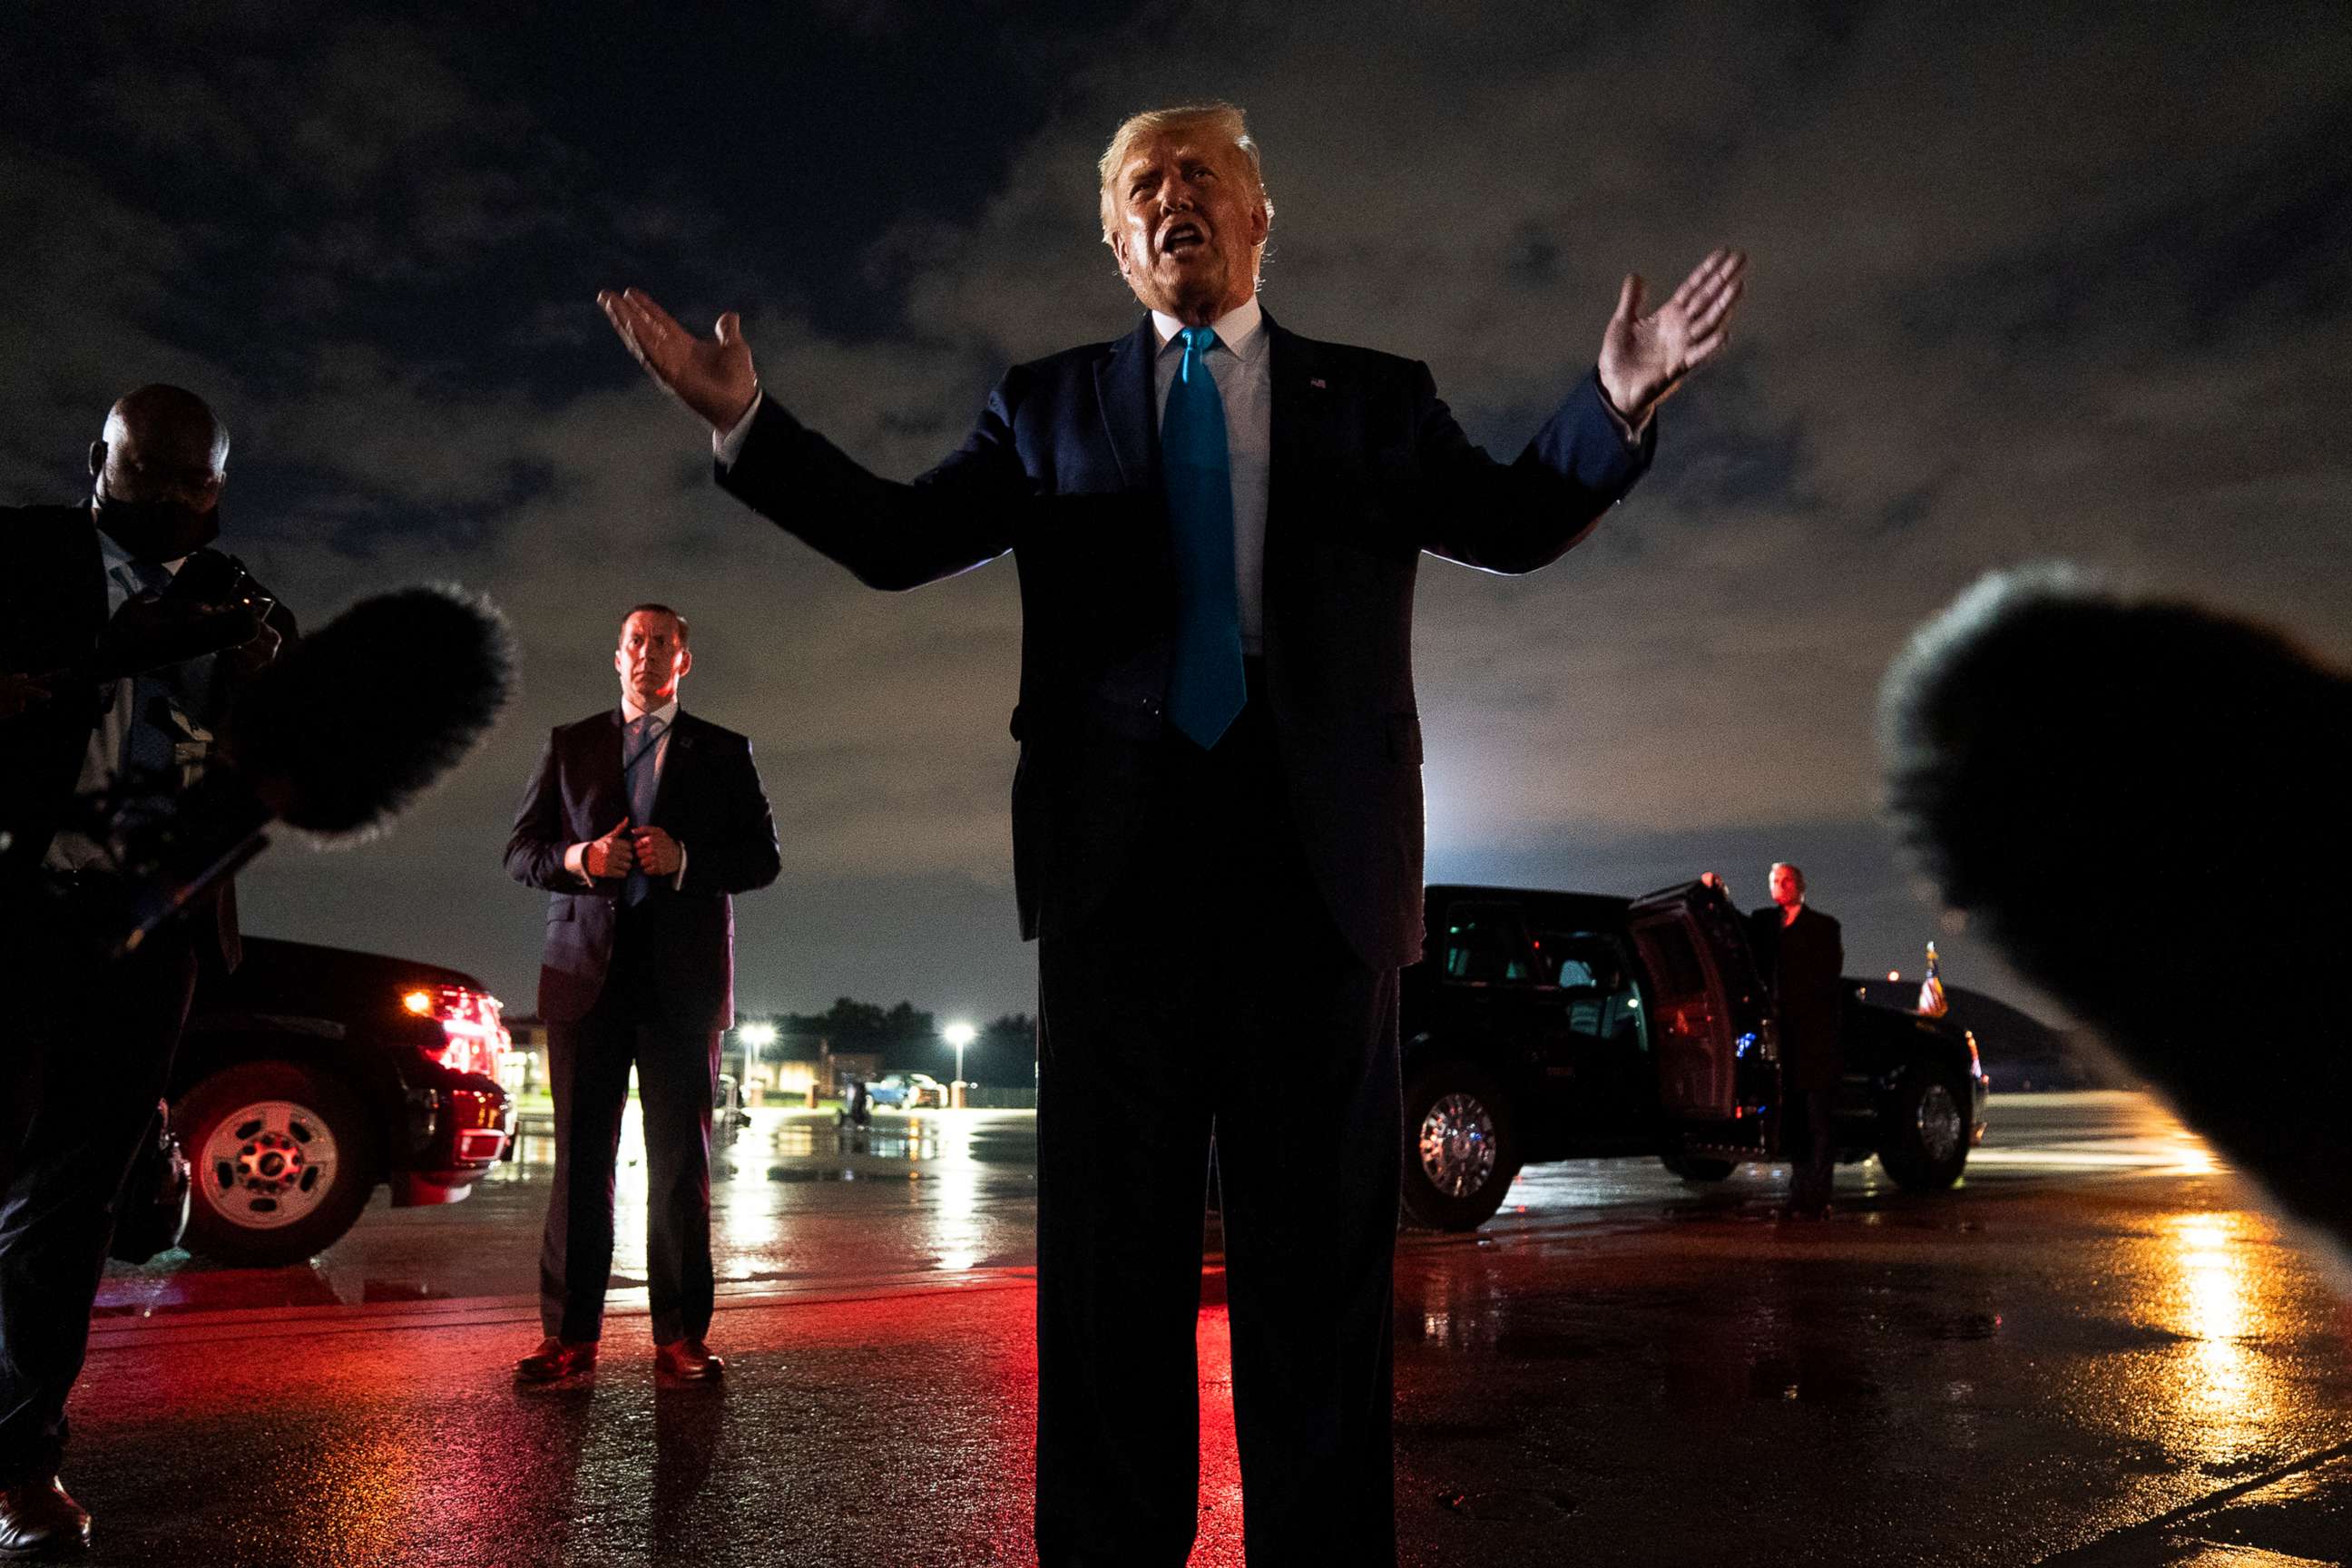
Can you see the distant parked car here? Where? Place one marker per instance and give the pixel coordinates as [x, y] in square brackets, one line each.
[907, 1091]
[312, 1075]
[1545, 1026]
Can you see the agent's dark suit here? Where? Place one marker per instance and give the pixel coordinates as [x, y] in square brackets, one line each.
[1803, 962]
[653, 985]
[84, 1055]
[1219, 933]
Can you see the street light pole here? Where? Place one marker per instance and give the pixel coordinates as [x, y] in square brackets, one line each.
[753, 1037]
[959, 1035]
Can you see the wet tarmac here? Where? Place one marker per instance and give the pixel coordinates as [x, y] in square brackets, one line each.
[2098, 1352]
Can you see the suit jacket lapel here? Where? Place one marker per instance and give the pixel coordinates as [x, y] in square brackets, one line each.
[1295, 412]
[607, 796]
[1123, 387]
[681, 756]
[94, 574]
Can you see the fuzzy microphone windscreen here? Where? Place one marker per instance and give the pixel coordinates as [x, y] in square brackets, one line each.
[354, 721]
[2144, 803]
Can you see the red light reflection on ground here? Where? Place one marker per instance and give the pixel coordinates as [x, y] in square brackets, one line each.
[393, 1435]
[1219, 1540]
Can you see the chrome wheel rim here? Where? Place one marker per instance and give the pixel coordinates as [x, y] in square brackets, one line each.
[268, 1165]
[1457, 1145]
[1938, 1122]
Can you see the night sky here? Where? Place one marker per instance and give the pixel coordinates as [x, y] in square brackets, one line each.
[2023, 285]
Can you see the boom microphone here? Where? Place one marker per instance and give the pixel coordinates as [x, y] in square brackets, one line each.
[345, 731]
[2142, 801]
[337, 737]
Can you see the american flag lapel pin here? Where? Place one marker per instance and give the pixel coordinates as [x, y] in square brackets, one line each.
[1319, 383]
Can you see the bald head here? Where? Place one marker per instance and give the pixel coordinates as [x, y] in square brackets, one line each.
[159, 469]
[168, 425]
[160, 440]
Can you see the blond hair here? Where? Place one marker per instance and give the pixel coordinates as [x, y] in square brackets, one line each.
[1224, 120]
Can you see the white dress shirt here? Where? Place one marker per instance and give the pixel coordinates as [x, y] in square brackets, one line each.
[575, 859]
[1240, 366]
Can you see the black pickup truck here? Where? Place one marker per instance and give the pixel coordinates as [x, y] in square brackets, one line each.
[312, 1075]
[1546, 1026]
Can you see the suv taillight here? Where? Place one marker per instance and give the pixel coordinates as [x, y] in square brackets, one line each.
[472, 1036]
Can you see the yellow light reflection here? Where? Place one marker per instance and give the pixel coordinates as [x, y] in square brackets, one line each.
[951, 1197]
[2221, 1265]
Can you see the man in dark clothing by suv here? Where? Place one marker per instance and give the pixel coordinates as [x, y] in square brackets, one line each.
[124, 640]
[1801, 954]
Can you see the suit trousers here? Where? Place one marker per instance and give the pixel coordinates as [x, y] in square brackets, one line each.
[1213, 997]
[588, 1064]
[84, 1072]
[1812, 1147]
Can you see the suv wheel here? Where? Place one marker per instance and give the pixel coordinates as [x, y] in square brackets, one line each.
[1460, 1151]
[1924, 1137]
[282, 1162]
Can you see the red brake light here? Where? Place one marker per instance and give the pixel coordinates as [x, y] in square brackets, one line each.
[472, 1036]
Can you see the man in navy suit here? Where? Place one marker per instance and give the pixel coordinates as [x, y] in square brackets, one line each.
[1217, 815]
[640, 822]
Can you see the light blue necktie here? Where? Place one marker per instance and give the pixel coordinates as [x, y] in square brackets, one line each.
[1207, 687]
[640, 740]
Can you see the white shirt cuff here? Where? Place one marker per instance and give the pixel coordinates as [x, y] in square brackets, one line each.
[729, 446]
[576, 862]
[677, 882]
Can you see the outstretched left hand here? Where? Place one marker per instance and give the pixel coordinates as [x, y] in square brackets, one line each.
[1645, 358]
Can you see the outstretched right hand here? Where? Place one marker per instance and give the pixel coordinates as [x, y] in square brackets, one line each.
[615, 855]
[712, 376]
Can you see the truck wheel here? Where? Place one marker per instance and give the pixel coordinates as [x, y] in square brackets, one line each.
[283, 1161]
[1691, 1168]
[1924, 1133]
[1460, 1150]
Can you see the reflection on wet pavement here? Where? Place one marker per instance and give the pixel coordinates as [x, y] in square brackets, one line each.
[2098, 1335]
[796, 1196]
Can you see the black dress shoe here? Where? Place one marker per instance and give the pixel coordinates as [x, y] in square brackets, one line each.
[39, 1516]
[555, 1359]
[688, 1361]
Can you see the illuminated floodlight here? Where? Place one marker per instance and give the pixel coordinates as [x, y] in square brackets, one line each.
[959, 1035]
[759, 1034]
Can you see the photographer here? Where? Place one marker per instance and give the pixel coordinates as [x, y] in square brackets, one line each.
[123, 640]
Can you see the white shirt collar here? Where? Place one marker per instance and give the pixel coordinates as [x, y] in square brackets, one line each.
[631, 712]
[1241, 328]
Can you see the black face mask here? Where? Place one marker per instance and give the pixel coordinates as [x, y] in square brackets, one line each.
[155, 529]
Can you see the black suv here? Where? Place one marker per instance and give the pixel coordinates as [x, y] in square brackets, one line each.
[311, 1075]
[1545, 1026]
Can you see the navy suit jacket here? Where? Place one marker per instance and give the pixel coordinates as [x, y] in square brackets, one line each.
[711, 801]
[1369, 470]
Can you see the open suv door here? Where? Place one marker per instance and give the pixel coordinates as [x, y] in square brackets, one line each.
[1717, 1052]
